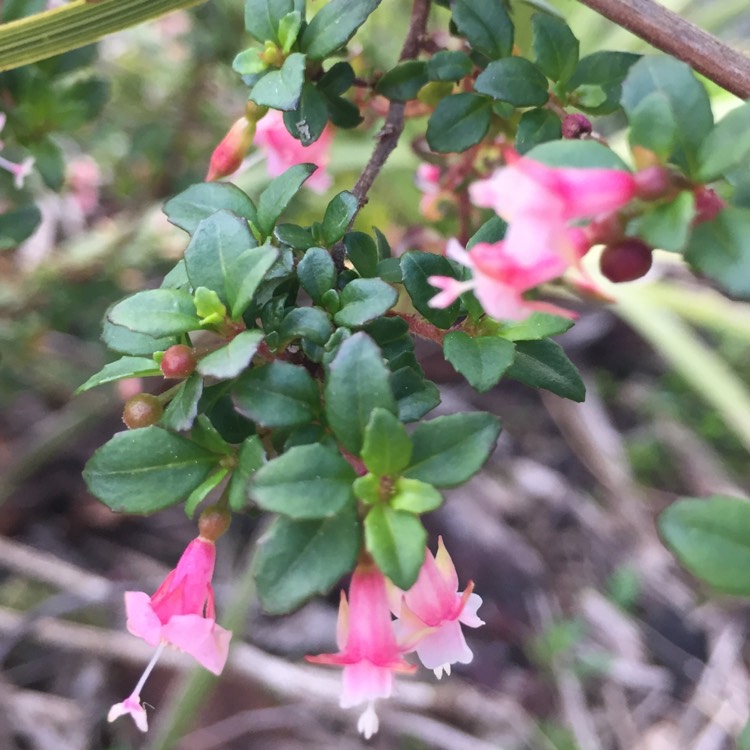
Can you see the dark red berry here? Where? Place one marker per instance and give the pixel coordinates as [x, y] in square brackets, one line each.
[141, 410]
[653, 183]
[626, 260]
[576, 126]
[178, 361]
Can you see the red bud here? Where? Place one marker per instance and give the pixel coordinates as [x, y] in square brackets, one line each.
[626, 260]
[178, 361]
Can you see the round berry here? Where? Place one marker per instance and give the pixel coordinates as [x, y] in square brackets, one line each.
[141, 410]
[626, 260]
[653, 183]
[178, 361]
[213, 522]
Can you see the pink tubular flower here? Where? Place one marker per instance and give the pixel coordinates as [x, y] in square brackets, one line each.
[283, 151]
[19, 171]
[368, 649]
[500, 279]
[181, 613]
[431, 612]
[232, 149]
[540, 202]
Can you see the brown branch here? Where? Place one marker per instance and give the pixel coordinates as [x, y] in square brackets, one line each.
[387, 138]
[670, 33]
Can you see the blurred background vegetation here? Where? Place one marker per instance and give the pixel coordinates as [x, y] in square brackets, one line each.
[594, 639]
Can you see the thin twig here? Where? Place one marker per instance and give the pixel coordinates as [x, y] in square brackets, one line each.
[670, 33]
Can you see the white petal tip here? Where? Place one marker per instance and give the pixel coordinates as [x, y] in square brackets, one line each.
[368, 723]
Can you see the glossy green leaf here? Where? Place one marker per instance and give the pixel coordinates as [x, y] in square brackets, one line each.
[339, 214]
[207, 436]
[515, 80]
[357, 384]
[606, 71]
[308, 119]
[156, 313]
[275, 198]
[250, 457]
[363, 300]
[726, 146]
[555, 47]
[417, 267]
[316, 272]
[142, 471]
[307, 481]
[310, 323]
[233, 358]
[296, 560]
[537, 126]
[481, 360]
[543, 364]
[397, 541]
[262, 17]
[281, 89]
[413, 496]
[278, 394]
[449, 450]
[459, 122]
[125, 341]
[337, 79]
[245, 275]
[449, 65]
[333, 26]
[18, 225]
[538, 325]
[486, 25]
[363, 253]
[188, 208]
[386, 449]
[126, 367]
[667, 225]
[403, 82]
[415, 395]
[711, 538]
[183, 408]
[575, 153]
[203, 490]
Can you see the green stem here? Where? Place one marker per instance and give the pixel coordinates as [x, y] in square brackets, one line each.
[698, 364]
[74, 25]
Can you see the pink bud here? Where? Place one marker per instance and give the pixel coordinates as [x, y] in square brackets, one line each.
[228, 155]
[576, 126]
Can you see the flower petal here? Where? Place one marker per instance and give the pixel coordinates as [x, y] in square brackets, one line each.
[142, 620]
[203, 639]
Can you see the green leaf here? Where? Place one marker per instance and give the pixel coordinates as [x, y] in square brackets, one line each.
[367, 489]
[397, 541]
[726, 146]
[334, 25]
[339, 213]
[337, 79]
[201, 492]
[275, 198]
[295, 236]
[415, 396]
[289, 27]
[417, 267]
[156, 313]
[308, 481]
[246, 273]
[459, 122]
[449, 65]
[413, 496]
[126, 367]
[18, 225]
[125, 341]
[389, 270]
[250, 457]
[538, 325]
[589, 154]
[281, 89]
[262, 17]
[667, 225]
[711, 538]
[607, 71]
[142, 471]
[493, 230]
[363, 300]
[449, 450]
[486, 25]
[537, 126]
[250, 62]
[403, 82]
[183, 408]
[311, 323]
[217, 242]
[391, 334]
[278, 394]
[308, 119]
[543, 364]
[555, 47]
[296, 560]
[481, 360]
[684, 96]
[362, 252]
[652, 125]
[386, 449]
[207, 436]
[188, 208]
[357, 383]
[316, 272]
[230, 360]
[49, 161]
[720, 249]
[515, 80]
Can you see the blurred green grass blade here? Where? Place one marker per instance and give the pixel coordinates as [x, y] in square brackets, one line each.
[75, 25]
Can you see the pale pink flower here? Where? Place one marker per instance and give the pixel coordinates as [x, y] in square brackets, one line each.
[283, 151]
[500, 279]
[231, 151]
[427, 180]
[540, 202]
[431, 612]
[19, 171]
[367, 645]
[85, 179]
[182, 614]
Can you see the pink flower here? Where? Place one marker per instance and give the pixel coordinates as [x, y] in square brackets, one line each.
[427, 180]
[368, 649]
[540, 202]
[431, 612]
[232, 149]
[283, 151]
[181, 613]
[500, 278]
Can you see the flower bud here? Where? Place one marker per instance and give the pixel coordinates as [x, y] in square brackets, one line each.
[707, 204]
[178, 361]
[576, 126]
[213, 522]
[605, 230]
[141, 410]
[653, 183]
[626, 260]
[228, 155]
